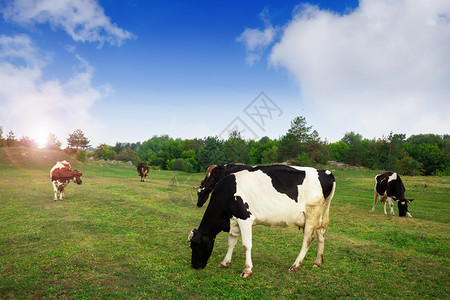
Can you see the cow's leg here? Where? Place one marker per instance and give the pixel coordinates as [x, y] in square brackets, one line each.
[55, 190]
[375, 196]
[391, 204]
[383, 200]
[246, 232]
[308, 237]
[232, 240]
[321, 246]
[408, 214]
[61, 191]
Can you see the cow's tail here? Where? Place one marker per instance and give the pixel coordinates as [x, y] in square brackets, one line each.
[326, 216]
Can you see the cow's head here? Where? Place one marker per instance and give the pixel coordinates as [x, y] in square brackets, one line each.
[403, 207]
[207, 185]
[202, 246]
[77, 176]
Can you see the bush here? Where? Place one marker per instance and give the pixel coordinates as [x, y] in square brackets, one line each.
[81, 155]
[302, 160]
[444, 172]
[408, 166]
[129, 155]
[105, 152]
[180, 164]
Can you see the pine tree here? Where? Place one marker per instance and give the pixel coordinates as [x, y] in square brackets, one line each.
[77, 140]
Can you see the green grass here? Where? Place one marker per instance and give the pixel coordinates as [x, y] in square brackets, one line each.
[115, 237]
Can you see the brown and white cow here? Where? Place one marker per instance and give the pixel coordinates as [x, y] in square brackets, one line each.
[143, 170]
[61, 175]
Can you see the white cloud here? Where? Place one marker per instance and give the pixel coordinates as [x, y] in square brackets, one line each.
[384, 66]
[83, 20]
[33, 106]
[256, 40]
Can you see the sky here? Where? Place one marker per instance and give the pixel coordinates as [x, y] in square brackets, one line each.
[127, 70]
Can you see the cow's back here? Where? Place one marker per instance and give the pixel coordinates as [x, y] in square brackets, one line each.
[270, 192]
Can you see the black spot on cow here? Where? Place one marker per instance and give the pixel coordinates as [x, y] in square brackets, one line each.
[285, 179]
[240, 209]
[326, 179]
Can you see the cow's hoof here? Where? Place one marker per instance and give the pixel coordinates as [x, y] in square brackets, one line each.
[246, 273]
[316, 265]
[222, 265]
[294, 268]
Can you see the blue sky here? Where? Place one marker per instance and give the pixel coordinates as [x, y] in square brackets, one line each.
[127, 70]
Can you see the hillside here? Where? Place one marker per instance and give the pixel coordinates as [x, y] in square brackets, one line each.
[33, 158]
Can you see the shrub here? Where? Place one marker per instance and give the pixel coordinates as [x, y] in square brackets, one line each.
[180, 164]
[81, 155]
[408, 166]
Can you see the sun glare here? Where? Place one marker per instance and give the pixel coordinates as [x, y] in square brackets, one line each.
[40, 137]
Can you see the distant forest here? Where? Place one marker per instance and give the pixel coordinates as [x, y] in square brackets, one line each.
[422, 154]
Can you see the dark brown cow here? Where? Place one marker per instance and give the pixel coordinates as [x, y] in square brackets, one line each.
[60, 176]
[143, 170]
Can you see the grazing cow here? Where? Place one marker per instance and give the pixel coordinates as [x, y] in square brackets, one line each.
[389, 186]
[277, 196]
[213, 175]
[60, 176]
[143, 170]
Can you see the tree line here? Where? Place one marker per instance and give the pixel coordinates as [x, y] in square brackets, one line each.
[422, 154]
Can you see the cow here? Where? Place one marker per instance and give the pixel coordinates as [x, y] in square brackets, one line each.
[60, 176]
[143, 170]
[60, 165]
[213, 174]
[277, 196]
[389, 186]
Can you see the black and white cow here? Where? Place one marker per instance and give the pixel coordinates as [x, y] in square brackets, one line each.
[389, 186]
[277, 196]
[143, 170]
[213, 174]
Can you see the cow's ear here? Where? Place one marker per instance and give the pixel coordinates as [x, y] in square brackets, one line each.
[194, 236]
[191, 234]
[216, 171]
[409, 200]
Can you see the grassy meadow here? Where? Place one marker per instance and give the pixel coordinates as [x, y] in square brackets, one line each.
[116, 237]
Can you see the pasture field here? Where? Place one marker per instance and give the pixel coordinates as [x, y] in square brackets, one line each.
[115, 237]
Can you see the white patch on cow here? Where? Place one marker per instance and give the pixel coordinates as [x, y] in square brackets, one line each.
[392, 177]
[191, 235]
[327, 172]
[274, 208]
